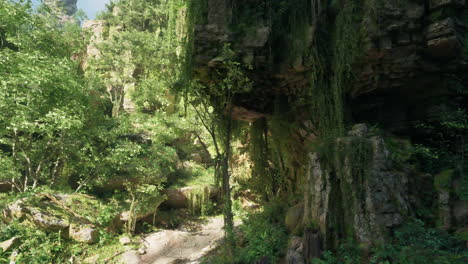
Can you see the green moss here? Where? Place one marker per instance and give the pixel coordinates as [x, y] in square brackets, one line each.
[199, 200]
[462, 234]
[443, 180]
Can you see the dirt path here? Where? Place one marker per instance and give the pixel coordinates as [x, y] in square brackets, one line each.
[183, 246]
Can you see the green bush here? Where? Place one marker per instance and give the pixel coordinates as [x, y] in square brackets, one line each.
[413, 244]
[36, 245]
[265, 235]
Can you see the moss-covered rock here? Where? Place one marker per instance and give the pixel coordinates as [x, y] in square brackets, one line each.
[75, 215]
[84, 233]
[443, 180]
[293, 219]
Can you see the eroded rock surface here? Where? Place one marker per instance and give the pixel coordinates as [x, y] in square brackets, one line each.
[362, 195]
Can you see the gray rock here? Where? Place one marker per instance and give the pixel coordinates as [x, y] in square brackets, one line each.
[69, 7]
[15, 210]
[41, 218]
[125, 240]
[131, 257]
[62, 9]
[47, 221]
[84, 234]
[374, 198]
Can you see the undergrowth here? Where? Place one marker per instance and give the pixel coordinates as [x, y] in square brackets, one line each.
[262, 236]
[412, 244]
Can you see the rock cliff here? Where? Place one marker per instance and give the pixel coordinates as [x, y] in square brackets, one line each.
[63, 9]
[396, 62]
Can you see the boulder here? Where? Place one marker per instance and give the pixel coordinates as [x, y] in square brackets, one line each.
[15, 210]
[130, 257]
[179, 198]
[48, 220]
[125, 240]
[145, 216]
[84, 234]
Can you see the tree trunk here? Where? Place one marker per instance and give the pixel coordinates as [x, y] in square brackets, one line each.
[228, 217]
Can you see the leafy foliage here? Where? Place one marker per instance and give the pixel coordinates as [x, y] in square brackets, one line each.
[413, 244]
[265, 235]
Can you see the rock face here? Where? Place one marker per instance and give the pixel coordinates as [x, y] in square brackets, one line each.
[362, 200]
[407, 50]
[63, 9]
[96, 27]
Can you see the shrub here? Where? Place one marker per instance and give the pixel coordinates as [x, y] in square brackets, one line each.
[413, 244]
[265, 235]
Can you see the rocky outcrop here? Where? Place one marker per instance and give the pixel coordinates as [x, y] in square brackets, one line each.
[411, 65]
[73, 215]
[63, 9]
[96, 28]
[407, 50]
[360, 196]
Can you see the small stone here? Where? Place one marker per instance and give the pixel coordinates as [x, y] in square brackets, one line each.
[125, 240]
[141, 251]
